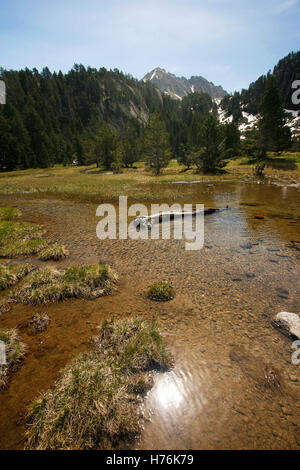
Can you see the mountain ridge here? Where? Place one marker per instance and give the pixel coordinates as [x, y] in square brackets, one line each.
[179, 87]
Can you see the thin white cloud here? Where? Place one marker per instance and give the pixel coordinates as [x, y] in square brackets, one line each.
[284, 6]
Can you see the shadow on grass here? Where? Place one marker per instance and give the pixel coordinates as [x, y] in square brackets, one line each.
[285, 164]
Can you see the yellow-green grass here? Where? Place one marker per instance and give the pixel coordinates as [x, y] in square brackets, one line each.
[96, 401]
[20, 239]
[9, 213]
[161, 291]
[52, 285]
[94, 184]
[54, 252]
[11, 274]
[14, 352]
[11, 231]
[22, 248]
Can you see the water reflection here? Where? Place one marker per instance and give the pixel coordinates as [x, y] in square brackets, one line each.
[168, 392]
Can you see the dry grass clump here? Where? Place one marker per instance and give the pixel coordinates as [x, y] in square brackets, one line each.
[54, 252]
[20, 238]
[51, 285]
[9, 213]
[161, 291]
[14, 351]
[96, 401]
[38, 323]
[10, 274]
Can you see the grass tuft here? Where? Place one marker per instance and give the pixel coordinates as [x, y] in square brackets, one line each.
[9, 213]
[51, 285]
[20, 238]
[11, 274]
[22, 248]
[14, 351]
[95, 402]
[54, 252]
[161, 291]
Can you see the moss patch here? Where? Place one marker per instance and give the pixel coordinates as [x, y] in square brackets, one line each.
[54, 252]
[51, 285]
[14, 351]
[161, 291]
[95, 403]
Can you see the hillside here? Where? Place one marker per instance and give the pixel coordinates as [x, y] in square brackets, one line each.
[179, 87]
[51, 116]
[286, 72]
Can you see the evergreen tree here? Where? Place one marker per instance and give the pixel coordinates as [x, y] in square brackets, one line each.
[130, 146]
[274, 135]
[232, 139]
[108, 147]
[185, 155]
[6, 160]
[212, 151]
[156, 144]
[40, 143]
[80, 152]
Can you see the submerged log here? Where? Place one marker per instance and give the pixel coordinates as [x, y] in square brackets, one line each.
[288, 324]
[147, 221]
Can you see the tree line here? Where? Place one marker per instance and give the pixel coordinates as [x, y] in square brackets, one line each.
[106, 117]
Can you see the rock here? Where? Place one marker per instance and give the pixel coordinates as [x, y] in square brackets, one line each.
[293, 378]
[288, 323]
[246, 247]
[250, 275]
[282, 291]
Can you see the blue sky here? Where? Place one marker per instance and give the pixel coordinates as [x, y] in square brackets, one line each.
[230, 42]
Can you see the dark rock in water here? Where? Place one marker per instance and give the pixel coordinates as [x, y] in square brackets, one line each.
[288, 324]
[247, 247]
[249, 204]
[282, 291]
[236, 279]
[250, 275]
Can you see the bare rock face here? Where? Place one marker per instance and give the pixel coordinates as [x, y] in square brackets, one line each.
[288, 323]
[179, 87]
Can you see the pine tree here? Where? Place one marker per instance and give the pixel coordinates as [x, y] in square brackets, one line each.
[212, 151]
[232, 139]
[130, 147]
[157, 144]
[6, 161]
[108, 147]
[185, 155]
[274, 135]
